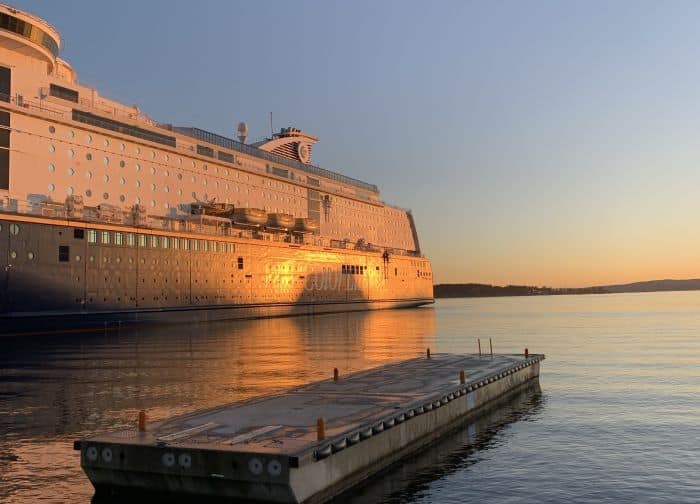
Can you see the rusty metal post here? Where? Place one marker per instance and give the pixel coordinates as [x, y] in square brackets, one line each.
[427, 352]
[478, 340]
[461, 377]
[320, 429]
[491, 347]
[335, 374]
[142, 421]
[526, 353]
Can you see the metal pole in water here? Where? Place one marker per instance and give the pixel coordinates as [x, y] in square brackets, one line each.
[427, 352]
[478, 340]
[335, 374]
[491, 347]
[142, 421]
[526, 353]
[320, 429]
[461, 377]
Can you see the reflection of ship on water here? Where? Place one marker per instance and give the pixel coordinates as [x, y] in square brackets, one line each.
[96, 381]
[454, 453]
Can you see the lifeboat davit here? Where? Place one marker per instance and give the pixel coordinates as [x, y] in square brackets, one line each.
[250, 216]
[306, 225]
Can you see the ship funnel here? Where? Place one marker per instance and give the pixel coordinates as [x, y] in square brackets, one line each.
[242, 132]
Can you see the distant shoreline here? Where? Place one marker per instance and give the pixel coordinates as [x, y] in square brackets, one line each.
[462, 290]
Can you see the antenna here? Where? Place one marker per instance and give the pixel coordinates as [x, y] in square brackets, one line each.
[272, 131]
[242, 132]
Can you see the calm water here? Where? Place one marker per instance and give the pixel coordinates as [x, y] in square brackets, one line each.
[617, 418]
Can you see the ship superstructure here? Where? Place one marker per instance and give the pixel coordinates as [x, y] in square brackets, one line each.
[106, 214]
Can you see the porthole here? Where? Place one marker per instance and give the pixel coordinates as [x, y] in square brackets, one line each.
[70, 172]
[166, 205]
[122, 198]
[204, 181]
[138, 184]
[137, 200]
[105, 160]
[216, 184]
[193, 179]
[122, 147]
[88, 156]
[88, 193]
[153, 203]
[166, 189]
[77, 258]
[92, 259]
[179, 192]
[52, 188]
[88, 138]
[137, 167]
[105, 178]
[122, 164]
[152, 154]
[153, 187]
[88, 174]
[70, 152]
[179, 161]
[205, 167]
[69, 191]
[30, 256]
[166, 173]
[70, 134]
[179, 176]
[137, 150]
[167, 158]
[52, 148]
[122, 180]
[153, 170]
[105, 196]
[106, 142]
[13, 254]
[52, 168]
[52, 129]
[14, 229]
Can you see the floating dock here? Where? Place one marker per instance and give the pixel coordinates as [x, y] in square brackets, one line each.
[310, 443]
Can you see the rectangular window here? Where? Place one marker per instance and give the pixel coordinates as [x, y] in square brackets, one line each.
[164, 242]
[63, 253]
[105, 237]
[5, 78]
[176, 243]
[154, 241]
[279, 172]
[240, 263]
[231, 248]
[4, 150]
[185, 244]
[130, 240]
[142, 241]
[92, 236]
[344, 269]
[79, 234]
[225, 156]
[205, 245]
[205, 151]
[195, 244]
[214, 246]
[313, 181]
[119, 238]
[63, 93]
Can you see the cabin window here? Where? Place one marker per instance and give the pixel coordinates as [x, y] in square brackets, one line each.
[195, 244]
[63, 93]
[396, 271]
[79, 234]
[105, 238]
[119, 239]
[92, 236]
[185, 244]
[154, 241]
[130, 242]
[214, 246]
[63, 253]
[240, 263]
[176, 243]
[164, 242]
[142, 240]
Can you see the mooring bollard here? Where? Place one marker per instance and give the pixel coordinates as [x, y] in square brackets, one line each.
[491, 347]
[526, 353]
[478, 340]
[142, 421]
[335, 374]
[461, 377]
[427, 352]
[320, 429]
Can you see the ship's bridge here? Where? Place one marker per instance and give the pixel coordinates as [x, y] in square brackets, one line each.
[29, 35]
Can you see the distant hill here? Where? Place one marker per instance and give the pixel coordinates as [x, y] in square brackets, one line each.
[486, 290]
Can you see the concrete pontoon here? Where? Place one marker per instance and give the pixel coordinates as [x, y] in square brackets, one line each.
[311, 443]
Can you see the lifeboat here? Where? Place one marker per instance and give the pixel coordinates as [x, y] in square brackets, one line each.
[306, 225]
[280, 220]
[215, 209]
[250, 216]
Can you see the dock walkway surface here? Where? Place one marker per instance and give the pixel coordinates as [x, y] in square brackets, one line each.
[310, 443]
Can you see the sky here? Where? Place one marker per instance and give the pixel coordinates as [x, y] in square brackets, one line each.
[542, 142]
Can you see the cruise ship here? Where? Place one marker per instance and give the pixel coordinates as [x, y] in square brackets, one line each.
[108, 217]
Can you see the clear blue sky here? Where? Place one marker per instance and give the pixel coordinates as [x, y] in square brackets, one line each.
[550, 143]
